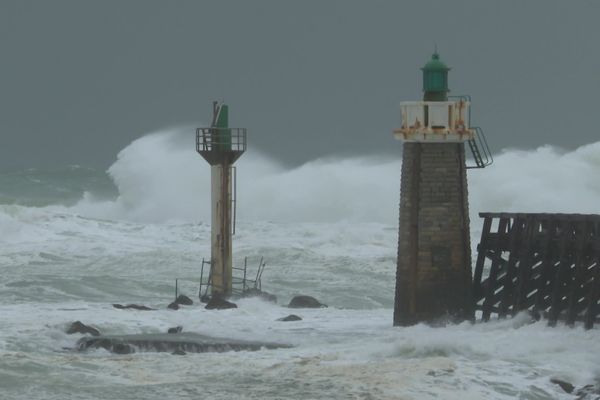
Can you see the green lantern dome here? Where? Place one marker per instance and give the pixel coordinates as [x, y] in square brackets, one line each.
[435, 79]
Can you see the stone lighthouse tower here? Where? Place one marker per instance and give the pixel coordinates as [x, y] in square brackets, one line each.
[433, 277]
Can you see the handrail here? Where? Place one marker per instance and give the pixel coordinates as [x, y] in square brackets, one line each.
[234, 198]
[479, 142]
[220, 139]
[480, 150]
[240, 284]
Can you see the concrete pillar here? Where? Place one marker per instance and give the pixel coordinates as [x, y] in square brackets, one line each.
[221, 248]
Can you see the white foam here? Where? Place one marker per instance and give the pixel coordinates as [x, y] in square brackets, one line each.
[161, 178]
[61, 264]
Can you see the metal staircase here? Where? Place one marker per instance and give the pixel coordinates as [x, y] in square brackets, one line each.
[480, 150]
[482, 156]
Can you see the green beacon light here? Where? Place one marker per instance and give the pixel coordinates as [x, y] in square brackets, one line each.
[435, 79]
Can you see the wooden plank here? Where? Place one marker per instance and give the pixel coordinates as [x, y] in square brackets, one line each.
[524, 281]
[563, 266]
[594, 292]
[481, 256]
[514, 256]
[556, 216]
[548, 254]
[579, 272]
[492, 278]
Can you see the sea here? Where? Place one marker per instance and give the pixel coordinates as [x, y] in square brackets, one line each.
[74, 240]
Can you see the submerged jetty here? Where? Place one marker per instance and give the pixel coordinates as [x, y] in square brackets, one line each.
[173, 343]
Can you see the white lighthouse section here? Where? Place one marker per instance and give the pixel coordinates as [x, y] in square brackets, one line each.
[434, 122]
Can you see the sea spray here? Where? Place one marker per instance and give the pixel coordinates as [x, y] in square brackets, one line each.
[160, 178]
[546, 179]
[64, 263]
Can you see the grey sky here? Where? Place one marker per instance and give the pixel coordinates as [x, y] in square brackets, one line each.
[79, 80]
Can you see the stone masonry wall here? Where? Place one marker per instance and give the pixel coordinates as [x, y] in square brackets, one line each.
[434, 256]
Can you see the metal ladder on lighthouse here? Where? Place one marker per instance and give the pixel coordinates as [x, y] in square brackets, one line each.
[482, 156]
[480, 150]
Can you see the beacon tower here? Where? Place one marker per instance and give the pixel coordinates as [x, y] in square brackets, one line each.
[221, 146]
[433, 278]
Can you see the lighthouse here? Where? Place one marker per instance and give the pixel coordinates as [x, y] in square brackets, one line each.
[221, 146]
[433, 276]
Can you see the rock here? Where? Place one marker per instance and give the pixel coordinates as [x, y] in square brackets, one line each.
[218, 303]
[176, 329]
[187, 342]
[178, 353]
[173, 306]
[132, 306]
[122, 348]
[588, 392]
[117, 347]
[440, 372]
[79, 327]
[184, 300]
[564, 385]
[305, 302]
[253, 292]
[290, 317]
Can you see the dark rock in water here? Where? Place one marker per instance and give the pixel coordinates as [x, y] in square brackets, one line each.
[205, 299]
[564, 385]
[254, 292]
[177, 329]
[173, 306]
[218, 303]
[290, 317]
[440, 372]
[116, 347]
[305, 302]
[179, 353]
[588, 392]
[184, 300]
[122, 348]
[79, 327]
[132, 306]
[164, 342]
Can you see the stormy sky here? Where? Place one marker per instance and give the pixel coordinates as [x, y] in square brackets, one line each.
[81, 79]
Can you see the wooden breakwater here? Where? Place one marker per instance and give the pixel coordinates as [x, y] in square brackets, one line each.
[547, 264]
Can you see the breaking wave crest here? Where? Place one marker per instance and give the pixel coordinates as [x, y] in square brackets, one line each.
[160, 178]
